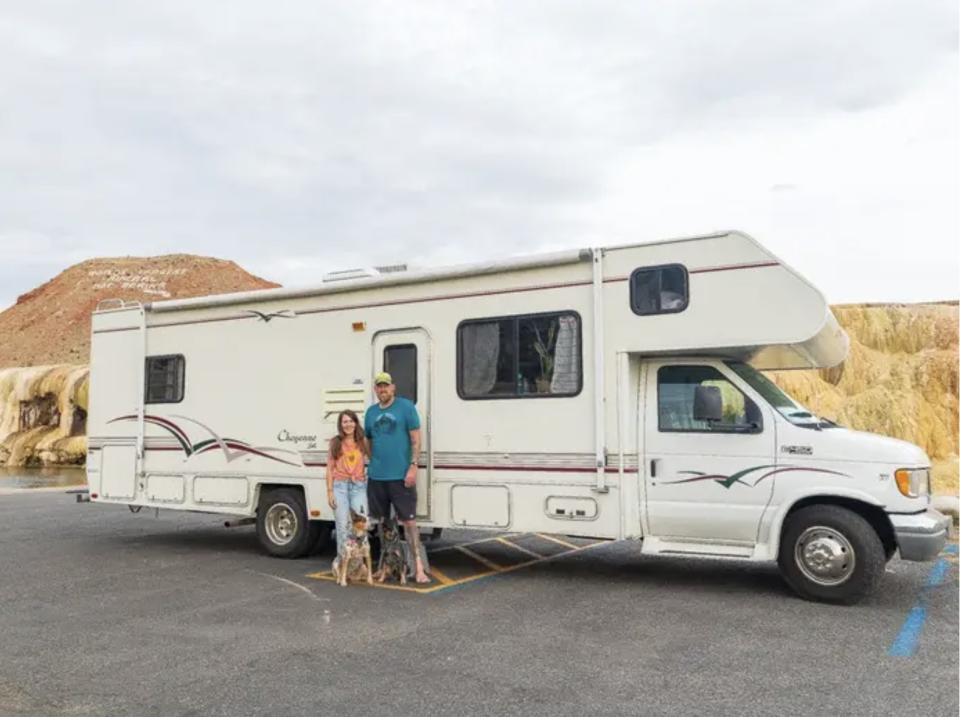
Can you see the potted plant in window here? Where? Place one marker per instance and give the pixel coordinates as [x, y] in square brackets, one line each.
[545, 352]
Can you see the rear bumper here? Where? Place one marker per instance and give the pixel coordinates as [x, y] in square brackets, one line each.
[920, 536]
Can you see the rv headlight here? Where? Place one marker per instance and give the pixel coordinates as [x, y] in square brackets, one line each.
[913, 483]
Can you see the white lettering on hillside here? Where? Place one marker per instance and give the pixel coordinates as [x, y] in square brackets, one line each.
[146, 281]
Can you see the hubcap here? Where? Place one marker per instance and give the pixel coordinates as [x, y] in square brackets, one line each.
[825, 555]
[281, 523]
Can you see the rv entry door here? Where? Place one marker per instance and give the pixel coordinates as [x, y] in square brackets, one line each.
[405, 355]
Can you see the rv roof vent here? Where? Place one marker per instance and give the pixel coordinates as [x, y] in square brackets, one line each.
[363, 273]
[347, 274]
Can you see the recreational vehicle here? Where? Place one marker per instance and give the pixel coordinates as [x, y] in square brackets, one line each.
[613, 393]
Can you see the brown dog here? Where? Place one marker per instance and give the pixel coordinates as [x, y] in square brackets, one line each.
[355, 562]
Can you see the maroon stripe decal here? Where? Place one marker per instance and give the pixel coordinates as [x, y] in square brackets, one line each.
[530, 469]
[695, 479]
[396, 302]
[445, 297]
[707, 270]
[449, 297]
[515, 469]
[169, 425]
[245, 449]
[110, 331]
[801, 470]
[735, 267]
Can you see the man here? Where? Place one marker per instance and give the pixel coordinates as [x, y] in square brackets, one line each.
[392, 426]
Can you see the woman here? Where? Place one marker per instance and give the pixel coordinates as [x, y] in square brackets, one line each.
[346, 473]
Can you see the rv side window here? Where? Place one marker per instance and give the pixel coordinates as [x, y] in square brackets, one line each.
[401, 363]
[532, 356]
[677, 402]
[659, 290]
[164, 379]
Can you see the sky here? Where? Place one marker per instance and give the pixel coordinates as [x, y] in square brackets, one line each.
[297, 138]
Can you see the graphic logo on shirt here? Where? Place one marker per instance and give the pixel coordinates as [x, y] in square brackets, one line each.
[385, 424]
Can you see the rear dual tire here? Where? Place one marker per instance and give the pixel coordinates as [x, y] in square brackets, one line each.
[831, 554]
[283, 528]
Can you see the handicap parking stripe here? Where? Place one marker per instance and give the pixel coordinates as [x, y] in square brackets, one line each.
[905, 644]
[479, 558]
[521, 549]
[557, 540]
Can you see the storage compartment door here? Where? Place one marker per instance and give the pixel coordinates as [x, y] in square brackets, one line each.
[118, 472]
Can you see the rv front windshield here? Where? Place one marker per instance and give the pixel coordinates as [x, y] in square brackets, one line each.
[772, 394]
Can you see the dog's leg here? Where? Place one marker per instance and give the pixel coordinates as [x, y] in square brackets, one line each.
[369, 560]
[342, 571]
[381, 567]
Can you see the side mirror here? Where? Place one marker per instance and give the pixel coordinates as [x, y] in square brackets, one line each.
[707, 404]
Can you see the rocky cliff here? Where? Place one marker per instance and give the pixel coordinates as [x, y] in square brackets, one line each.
[900, 379]
[43, 415]
[51, 324]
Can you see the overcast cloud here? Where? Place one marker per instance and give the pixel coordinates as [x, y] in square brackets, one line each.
[301, 137]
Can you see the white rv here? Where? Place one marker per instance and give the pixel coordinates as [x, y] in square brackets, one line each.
[610, 393]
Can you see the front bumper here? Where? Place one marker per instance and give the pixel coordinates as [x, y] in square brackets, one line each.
[920, 536]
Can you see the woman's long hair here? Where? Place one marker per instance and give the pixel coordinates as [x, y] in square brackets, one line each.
[336, 443]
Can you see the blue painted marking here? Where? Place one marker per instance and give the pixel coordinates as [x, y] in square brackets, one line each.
[909, 636]
[938, 573]
[905, 644]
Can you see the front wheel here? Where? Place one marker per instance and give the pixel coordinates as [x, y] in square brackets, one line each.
[282, 525]
[831, 554]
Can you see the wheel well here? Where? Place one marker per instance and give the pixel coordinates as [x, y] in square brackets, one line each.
[872, 514]
[263, 488]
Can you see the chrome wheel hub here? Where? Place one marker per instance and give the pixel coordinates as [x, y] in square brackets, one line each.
[825, 556]
[281, 523]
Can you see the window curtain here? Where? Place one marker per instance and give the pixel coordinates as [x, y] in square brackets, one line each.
[481, 349]
[566, 370]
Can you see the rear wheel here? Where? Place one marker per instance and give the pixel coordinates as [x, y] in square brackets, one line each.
[282, 525]
[831, 554]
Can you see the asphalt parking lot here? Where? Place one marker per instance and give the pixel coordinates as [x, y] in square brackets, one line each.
[106, 612]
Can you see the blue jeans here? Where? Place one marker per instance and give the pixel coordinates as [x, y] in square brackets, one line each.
[348, 494]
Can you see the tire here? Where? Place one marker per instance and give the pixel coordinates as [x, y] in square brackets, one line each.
[830, 554]
[282, 525]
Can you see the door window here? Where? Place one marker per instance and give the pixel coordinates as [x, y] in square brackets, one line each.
[676, 397]
[401, 363]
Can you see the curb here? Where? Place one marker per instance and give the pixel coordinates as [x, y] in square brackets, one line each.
[43, 489]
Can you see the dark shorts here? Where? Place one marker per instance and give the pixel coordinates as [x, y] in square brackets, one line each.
[381, 494]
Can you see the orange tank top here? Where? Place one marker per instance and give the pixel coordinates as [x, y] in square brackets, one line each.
[349, 466]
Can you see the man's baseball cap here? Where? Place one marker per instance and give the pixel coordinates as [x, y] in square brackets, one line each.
[382, 377]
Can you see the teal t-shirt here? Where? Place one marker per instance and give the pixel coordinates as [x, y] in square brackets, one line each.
[389, 429]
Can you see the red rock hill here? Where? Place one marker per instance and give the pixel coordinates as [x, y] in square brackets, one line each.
[51, 324]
